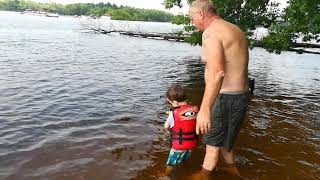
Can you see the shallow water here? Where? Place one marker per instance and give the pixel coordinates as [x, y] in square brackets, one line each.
[89, 106]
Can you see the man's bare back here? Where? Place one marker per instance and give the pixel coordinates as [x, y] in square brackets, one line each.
[234, 44]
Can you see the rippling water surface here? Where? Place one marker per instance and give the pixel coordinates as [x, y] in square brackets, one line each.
[89, 106]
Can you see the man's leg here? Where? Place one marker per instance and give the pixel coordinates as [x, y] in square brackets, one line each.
[211, 158]
[209, 163]
[227, 156]
[230, 166]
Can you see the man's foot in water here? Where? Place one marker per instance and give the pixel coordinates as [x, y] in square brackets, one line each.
[229, 168]
[203, 174]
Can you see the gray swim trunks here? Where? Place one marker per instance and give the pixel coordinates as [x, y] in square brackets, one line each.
[227, 116]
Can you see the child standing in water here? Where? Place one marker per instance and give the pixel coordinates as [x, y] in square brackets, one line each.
[181, 124]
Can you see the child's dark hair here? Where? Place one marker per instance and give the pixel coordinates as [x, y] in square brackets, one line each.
[177, 93]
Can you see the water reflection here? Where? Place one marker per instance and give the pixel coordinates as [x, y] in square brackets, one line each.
[90, 106]
[279, 133]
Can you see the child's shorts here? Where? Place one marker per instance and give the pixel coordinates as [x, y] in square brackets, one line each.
[177, 156]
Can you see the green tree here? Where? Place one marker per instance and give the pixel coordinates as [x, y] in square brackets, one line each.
[300, 22]
[76, 9]
[10, 5]
[301, 19]
[247, 14]
[135, 14]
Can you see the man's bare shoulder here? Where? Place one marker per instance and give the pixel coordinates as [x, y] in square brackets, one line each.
[208, 34]
[232, 28]
[216, 29]
[212, 33]
[228, 33]
[222, 30]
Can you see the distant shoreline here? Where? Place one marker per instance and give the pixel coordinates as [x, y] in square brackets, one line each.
[98, 18]
[89, 9]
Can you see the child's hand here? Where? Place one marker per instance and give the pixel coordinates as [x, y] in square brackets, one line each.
[166, 127]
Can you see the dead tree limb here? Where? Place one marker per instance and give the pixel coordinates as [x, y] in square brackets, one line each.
[95, 26]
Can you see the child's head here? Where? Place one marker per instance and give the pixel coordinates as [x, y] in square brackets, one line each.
[176, 93]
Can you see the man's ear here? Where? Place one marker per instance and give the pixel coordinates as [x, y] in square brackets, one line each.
[201, 14]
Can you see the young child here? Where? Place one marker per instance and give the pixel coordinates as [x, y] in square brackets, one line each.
[181, 124]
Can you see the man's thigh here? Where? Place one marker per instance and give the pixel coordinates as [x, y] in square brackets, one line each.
[215, 136]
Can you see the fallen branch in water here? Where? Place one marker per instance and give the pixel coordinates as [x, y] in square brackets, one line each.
[296, 47]
[300, 51]
[306, 45]
[162, 36]
[95, 26]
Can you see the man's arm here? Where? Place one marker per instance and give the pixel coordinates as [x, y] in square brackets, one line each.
[214, 73]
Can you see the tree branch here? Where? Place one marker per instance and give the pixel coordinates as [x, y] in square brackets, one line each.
[306, 45]
[300, 51]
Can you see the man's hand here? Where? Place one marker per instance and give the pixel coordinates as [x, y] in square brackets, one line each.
[203, 122]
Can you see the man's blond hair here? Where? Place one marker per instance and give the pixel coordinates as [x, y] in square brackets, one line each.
[206, 6]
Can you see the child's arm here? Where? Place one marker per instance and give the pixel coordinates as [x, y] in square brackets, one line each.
[166, 126]
[169, 122]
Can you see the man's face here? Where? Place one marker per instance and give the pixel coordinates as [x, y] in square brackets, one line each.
[196, 17]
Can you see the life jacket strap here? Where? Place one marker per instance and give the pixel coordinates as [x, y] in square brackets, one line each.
[180, 138]
[185, 139]
[183, 133]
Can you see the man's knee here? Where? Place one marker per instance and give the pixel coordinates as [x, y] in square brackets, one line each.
[225, 150]
[212, 149]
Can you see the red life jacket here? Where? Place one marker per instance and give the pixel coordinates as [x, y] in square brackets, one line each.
[182, 134]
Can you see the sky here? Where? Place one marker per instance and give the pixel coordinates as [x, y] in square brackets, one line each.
[146, 4]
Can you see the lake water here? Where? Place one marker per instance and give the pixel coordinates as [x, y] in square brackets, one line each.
[77, 105]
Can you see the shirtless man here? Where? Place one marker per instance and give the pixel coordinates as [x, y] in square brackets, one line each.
[225, 100]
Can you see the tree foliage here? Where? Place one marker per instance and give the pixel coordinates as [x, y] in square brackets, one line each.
[300, 20]
[135, 14]
[247, 14]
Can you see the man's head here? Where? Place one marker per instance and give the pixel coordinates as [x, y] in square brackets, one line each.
[201, 11]
[176, 93]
